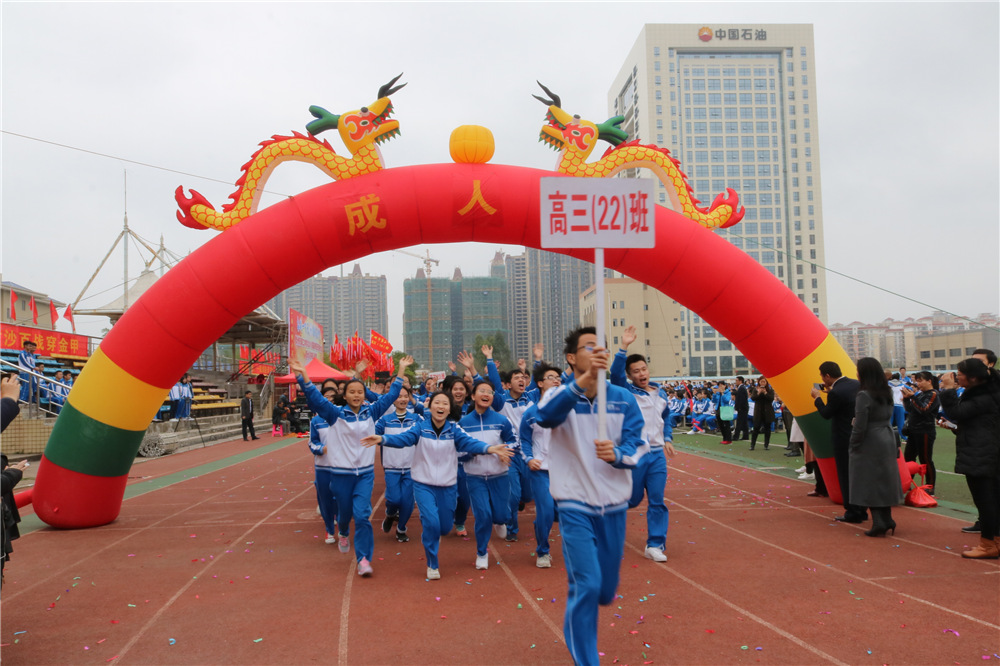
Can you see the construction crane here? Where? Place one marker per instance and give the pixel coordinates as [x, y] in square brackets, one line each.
[425, 257]
[430, 319]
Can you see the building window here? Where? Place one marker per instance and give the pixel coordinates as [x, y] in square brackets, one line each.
[938, 353]
[955, 352]
[925, 354]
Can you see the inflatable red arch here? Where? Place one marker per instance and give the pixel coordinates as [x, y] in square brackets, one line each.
[83, 472]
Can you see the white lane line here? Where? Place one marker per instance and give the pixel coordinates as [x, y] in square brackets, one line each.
[163, 609]
[556, 629]
[743, 611]
[134, 532]
[851, 574]
[345, 606]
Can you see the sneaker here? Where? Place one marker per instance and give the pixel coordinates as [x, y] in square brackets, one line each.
[544, 561]
[973, 529]
[387, 523]
[365, 567]
[330, 538]
[691, 432]
[345, 544]
[511, 537]
[461, 531]
[501, 531]
[655, 554]
[402, 537]
[433, 574]
[801, 470]
[807, 477]
[727, 441]
[174, 420]
[483, 561]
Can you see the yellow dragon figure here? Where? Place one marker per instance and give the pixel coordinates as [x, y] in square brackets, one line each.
[361, 131]
[576, 139]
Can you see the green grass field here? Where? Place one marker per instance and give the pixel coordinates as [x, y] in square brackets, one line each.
[951, 491]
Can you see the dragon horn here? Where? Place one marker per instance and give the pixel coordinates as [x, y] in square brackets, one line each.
[610, 131]
[387, 89]
[325, 120]
[554, 101]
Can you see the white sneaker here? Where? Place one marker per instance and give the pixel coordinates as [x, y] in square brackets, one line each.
[801, 470]
[331, 538]
[807, 477]
[433, 574]
[174, 420]
[501, 531]
[483, 561]
[692, 432]
[655, 554]
[544, 561]
[344, 545]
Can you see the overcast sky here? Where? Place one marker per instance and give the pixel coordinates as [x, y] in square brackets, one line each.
[907, 100]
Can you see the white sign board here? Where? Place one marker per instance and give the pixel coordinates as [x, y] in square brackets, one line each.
[597, 213]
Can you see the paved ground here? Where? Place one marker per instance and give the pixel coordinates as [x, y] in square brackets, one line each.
[218, 557]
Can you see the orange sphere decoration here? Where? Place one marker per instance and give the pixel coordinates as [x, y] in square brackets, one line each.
[471, 144]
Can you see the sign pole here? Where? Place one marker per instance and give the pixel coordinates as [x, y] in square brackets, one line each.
[602, 389]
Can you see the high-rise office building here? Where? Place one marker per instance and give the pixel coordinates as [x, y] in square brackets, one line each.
[427, 321]
[543, 296]
[736, 103]
[341, 305]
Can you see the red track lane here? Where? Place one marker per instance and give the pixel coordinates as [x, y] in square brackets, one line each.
[230, 567]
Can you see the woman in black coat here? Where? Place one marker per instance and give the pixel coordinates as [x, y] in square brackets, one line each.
[873, 450]
[763, 412]
[977, 445]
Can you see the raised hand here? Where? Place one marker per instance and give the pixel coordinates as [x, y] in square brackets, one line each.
[296, 367]
[404, 363]
[487, 352]
[538, 350]
[452, 367]
[522, 365]
[465, 358]
[628, 337]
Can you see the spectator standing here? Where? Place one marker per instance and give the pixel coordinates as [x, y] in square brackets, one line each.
[841, 394]
[977, 447]
[27, 364]
[742, 406]
[922, 407]
[246, 416]
[763, 412]
[873, 450]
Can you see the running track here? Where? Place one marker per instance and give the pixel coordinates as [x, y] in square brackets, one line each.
[218, 558]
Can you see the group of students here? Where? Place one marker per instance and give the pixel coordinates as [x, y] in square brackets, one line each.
[508, 440]
[54, 390]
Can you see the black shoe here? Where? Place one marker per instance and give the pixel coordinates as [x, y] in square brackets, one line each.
[245, 439]
[792, 454]
[510, 537]
[849, 519]
[402, 537]
[255, 438]
[520, 506]
[387, 523]
[973, 529]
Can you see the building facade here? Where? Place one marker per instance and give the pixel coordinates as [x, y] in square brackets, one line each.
[655, 316]
[341, 305]
[543, 296]
[736, 103]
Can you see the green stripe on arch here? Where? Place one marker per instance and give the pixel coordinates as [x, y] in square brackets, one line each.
[85, 445]
[816, 430]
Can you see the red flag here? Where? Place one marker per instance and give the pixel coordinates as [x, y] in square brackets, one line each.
[34, 310]
[53, 313]
[68, 315]
[379, 343]
[13, 300]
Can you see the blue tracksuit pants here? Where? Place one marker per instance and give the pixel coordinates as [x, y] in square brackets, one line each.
[649, 478]
[593, 546]
[353, 494]
[464, 503]
[520, 490]
[437, 510]
[324, 497]
[399, 496]
[545, 509]
[490, 505]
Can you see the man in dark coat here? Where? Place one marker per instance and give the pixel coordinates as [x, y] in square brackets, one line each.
[742, 406]
[246, 414]
[839, 410]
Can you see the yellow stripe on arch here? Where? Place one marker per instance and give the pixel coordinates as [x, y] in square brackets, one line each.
[793, 384]
[108, 394]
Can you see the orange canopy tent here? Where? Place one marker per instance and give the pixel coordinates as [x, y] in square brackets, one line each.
[318, 371]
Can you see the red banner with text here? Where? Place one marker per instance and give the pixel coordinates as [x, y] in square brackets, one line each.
[49, 342]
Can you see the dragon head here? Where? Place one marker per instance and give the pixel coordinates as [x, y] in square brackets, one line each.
[572, 133]
[369, 124]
